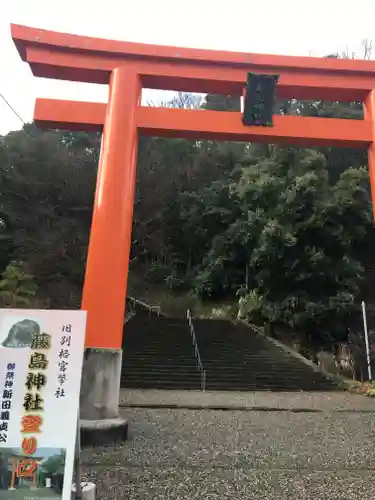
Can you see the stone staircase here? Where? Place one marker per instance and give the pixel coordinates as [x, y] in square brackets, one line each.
[158, 354]
[236, 358]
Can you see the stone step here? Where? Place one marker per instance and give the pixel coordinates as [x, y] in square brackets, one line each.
[173, 376]
[160, 360]
[259, 378]
[189, 384]
[157, 329]
[154, 368]
[263, 367]
[239, 365]
[161, 384]
[219, 370]
[225, 374]
[270, 388]
[188, 348]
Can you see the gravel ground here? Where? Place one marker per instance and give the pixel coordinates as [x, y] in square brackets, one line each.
[317, 401]
[210, 454]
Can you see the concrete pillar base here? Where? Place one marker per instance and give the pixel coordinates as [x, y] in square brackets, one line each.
[99, 399]
[102, 432]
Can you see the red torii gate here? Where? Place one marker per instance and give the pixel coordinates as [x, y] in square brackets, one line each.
[129, 67]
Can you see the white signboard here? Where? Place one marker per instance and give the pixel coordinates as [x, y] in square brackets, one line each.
[41, 354]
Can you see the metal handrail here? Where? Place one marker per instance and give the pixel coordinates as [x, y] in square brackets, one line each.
[196, 351]
[151, 309]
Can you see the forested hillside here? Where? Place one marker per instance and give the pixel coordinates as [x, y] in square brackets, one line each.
[285, 232]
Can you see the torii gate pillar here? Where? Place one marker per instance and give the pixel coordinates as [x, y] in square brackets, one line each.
[108, 256]
[107, 261]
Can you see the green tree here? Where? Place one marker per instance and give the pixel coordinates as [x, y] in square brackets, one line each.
[47, 186]
[54, 464]
[293, 248]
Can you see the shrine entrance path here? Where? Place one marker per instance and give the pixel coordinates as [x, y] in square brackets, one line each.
[29, 494]
[288, 452]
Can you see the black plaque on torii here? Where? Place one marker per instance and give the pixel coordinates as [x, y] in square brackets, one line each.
[259, 100]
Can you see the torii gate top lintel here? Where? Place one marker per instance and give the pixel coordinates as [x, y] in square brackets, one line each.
[25, 37]
[86, 59]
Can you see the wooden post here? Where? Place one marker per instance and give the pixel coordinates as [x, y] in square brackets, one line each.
[34, 485]
[14, 468]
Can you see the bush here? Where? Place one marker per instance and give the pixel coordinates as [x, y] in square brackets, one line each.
[156, 274]
[17, 287]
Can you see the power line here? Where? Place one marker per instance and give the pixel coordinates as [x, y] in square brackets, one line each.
[11, 107]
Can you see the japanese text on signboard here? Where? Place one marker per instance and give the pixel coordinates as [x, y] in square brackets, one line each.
[32, 420]
[6, 401]
[64, 355]
[259, 100]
